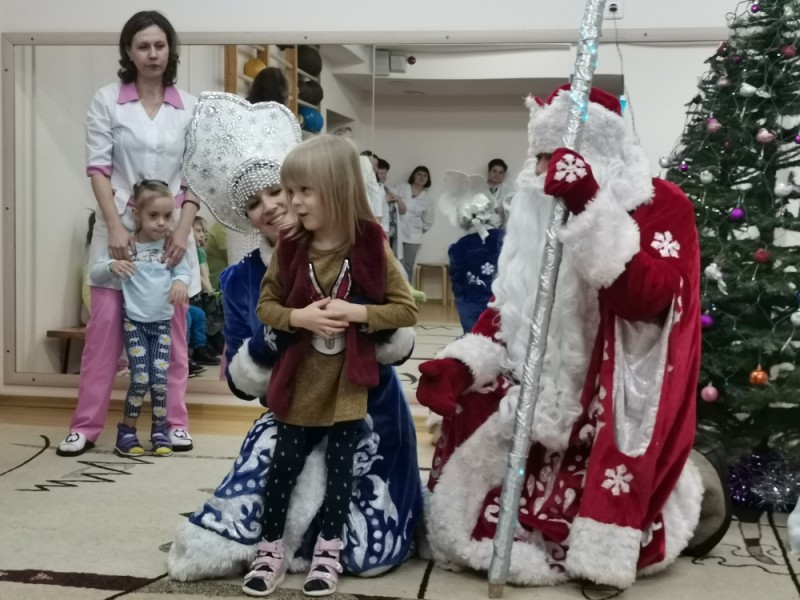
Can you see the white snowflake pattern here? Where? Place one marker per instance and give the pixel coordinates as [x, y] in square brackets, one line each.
[473, 279]
[487, 269]
[571, 168]
[270, 338]
[666, 245]
[618, 480]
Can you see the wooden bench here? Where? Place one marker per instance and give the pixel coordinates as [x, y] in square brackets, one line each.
[67, 334]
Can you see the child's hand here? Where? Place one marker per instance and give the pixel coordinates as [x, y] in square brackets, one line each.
[122, 268]
[178, 293]
[319, 319]
[353, 313]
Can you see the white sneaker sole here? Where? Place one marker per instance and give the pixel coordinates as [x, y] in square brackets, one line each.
[266, 592]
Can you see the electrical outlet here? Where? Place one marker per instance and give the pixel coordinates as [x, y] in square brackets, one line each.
[615, 9]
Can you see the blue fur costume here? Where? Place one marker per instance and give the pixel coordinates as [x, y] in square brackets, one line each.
[219, 539]
[473, 267]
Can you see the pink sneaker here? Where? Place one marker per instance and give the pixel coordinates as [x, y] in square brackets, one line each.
[325, 568]
[267, 570]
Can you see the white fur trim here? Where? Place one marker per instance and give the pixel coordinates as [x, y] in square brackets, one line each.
[481, 354]
[247, 375]
[601, 240]
[602, 552]
[605, 140]
[397, 347]
[452, 510]
[266, 251]
[198, 553]
[793, 525]
[681, 514]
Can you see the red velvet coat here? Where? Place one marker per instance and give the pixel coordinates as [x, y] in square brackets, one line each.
[621, 496]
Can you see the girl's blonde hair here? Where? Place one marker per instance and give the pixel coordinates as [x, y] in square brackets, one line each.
[330, 164]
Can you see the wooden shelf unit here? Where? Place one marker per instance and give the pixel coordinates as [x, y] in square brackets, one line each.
[272, 56]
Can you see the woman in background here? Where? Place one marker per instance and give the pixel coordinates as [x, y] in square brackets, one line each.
[135, 129]
[418, 218]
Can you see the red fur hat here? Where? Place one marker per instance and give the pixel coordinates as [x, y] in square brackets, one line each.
[596, 95]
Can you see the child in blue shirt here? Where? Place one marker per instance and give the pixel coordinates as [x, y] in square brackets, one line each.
[150, 290]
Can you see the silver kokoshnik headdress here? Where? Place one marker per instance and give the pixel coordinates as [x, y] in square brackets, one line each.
[236, 150]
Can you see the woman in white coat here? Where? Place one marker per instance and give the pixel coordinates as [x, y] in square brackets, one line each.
[418, 218]
[135, 130]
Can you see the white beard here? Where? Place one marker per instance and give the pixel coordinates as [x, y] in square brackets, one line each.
[573, 324]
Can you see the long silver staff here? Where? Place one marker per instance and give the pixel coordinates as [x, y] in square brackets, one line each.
[585, 64]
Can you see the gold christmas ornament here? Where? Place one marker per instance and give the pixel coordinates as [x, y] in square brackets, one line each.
[759, 376]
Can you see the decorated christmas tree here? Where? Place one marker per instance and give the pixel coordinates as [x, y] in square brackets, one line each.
[739, 162]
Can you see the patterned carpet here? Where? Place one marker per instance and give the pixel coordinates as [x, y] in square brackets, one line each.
[99, 526]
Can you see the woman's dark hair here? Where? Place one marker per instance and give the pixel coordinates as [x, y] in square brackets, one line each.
[384, 164]
[142, 20]
[90, 232]
[269, 86]
[417, 170]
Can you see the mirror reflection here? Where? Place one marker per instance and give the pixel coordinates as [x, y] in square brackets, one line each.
[451, 136]
[55, 87]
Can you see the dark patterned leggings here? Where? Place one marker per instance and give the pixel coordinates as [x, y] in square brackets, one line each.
[148, 347]
[293, 445]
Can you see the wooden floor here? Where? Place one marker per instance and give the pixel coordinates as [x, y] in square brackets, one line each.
[206, 418]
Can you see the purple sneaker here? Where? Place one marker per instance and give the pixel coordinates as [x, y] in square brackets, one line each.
[127, 442]
[159, 437]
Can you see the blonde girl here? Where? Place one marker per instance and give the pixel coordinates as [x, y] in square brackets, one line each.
[331, 283]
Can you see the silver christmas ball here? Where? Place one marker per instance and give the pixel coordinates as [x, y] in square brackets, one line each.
[706, 177]
[747, 90]
[795, 318]
[665, 162]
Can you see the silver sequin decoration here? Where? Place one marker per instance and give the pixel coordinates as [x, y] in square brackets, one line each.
[235, 150]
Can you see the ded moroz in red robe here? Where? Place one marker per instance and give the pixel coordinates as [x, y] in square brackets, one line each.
[608, 491]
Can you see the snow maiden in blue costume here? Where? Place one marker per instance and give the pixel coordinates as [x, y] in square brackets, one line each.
[233, 165]
[468, 204]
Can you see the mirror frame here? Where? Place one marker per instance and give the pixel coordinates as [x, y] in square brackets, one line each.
[12, 40]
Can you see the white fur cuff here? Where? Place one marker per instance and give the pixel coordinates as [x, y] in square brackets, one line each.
[601, 240]
[603, 553]
[396, 348]
[481, 354]
[248, 376]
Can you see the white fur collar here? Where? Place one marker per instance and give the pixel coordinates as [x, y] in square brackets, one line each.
[266, 250]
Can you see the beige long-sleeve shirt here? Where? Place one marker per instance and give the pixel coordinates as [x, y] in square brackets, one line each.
[322, 394]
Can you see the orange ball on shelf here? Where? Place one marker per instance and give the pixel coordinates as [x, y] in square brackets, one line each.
[253, 67]
[759, 377]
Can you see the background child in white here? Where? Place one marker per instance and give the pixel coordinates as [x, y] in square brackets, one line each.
[150, 290]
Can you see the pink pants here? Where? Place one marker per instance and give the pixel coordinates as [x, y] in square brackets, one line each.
[101, 352]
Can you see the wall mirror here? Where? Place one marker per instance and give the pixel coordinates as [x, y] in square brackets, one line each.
[455, 108]
[49, 80]
[445, 106]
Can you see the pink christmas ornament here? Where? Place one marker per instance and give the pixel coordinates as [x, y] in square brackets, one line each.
[706, 321]
[765, 136]
[713, 126]
[709, 393]
[736, 214]
[762, 256]
[788, 52]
